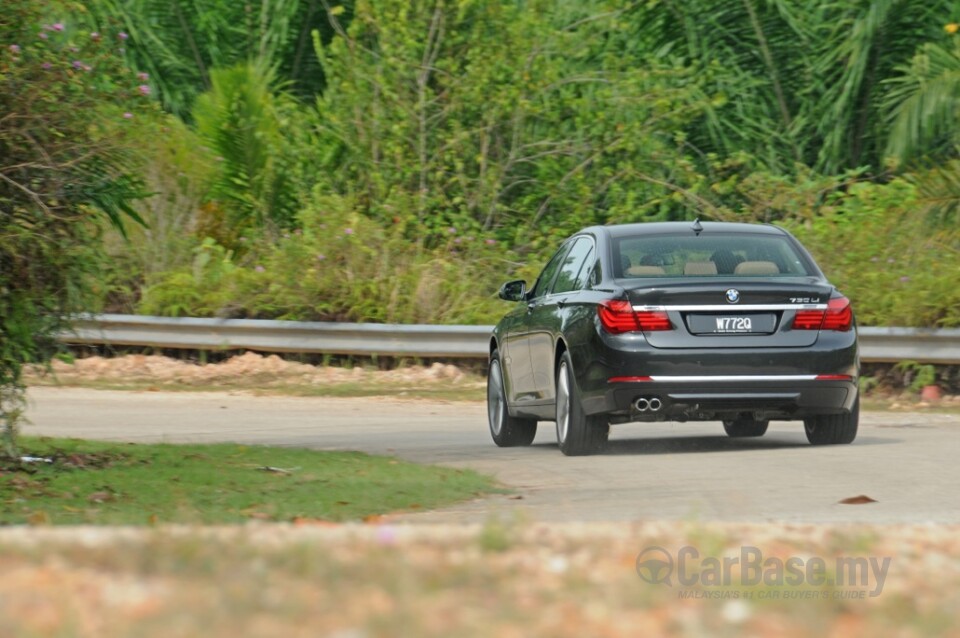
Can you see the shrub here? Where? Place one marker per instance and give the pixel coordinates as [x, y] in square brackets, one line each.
[66, 101]
[897, 269]
[339, 266]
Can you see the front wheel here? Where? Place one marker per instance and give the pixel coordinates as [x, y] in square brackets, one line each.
[506, 430]
[577, 433]
[833, 429]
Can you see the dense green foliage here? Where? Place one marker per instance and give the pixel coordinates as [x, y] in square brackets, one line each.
[66, 104]
[392, 160]
[449, 145]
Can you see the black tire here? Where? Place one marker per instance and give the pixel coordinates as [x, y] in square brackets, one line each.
[743, 428]
[506, 430]
[577, 433]
[833, 429]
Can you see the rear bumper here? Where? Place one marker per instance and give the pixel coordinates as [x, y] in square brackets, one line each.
[717, 383]
[704, 397]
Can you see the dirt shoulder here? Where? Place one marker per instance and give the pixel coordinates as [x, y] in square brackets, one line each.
[257, 373]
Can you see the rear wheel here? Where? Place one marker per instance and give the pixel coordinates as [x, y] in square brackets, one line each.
[506, 430]
[831, 429]
[577, 433]
[742, 428]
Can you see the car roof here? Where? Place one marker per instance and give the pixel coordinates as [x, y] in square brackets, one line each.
[662, 228]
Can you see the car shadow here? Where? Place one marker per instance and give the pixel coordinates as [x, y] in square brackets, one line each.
[695, 444]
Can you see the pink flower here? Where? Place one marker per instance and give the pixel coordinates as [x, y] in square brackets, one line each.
[15, 49]
[144, 89]
[46, 66]
[347, 231]
[143, 77]
[43, 36]
[77, 64]
[260, 269]
[94, 36]
[128, 115]
[321, 257]
[491, 242]
[122, 35]
[386, 535]
[57, 26]
[451, 230]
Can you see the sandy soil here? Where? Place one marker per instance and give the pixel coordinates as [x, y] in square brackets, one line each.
[242, 370]
[498, 579]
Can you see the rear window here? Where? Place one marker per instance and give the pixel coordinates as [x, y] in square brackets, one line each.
[707, 255]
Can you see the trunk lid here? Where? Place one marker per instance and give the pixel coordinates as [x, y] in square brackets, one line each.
[731, 312]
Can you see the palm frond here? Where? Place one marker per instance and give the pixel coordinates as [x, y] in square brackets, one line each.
[923, 103]
[938, 190]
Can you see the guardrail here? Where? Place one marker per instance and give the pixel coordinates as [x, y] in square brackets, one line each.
[427, 341]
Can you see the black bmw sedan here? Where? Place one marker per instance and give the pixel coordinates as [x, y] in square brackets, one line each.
[674, 321]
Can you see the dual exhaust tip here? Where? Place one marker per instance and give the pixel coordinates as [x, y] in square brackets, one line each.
[644, 404]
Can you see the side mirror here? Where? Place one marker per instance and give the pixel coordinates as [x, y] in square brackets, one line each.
[513, 290]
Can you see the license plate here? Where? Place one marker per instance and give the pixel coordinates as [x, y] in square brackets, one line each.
[732, 324]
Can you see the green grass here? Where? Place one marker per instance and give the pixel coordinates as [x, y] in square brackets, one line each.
[135, 484]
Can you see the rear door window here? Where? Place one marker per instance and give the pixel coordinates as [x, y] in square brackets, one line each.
[568, 278]
[546, 277]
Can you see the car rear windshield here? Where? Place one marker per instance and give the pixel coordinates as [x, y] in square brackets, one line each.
[707, 255]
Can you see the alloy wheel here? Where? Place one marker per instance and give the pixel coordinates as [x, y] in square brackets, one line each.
[495, 400]
[563, 403]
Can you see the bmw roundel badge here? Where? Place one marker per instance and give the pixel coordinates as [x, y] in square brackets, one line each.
[733, 295]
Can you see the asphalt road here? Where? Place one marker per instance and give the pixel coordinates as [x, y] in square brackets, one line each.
[908, 462]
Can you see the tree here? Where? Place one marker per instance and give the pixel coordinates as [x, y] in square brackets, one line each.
[251, 126]
[485, 117]
[792, 83]
[65, 101]
[180, 43]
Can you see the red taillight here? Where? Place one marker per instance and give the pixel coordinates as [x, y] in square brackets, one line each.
[838, 316]
[808, 319]
[653, 320]
[618, 316]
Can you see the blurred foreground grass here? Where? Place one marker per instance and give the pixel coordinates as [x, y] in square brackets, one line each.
[501, 579]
